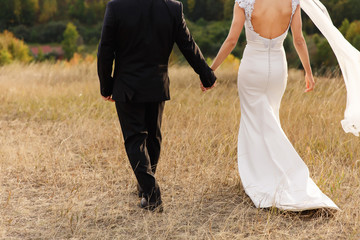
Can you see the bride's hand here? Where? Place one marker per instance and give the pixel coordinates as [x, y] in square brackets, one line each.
[310, 83]
[109, 98]
[204, 89]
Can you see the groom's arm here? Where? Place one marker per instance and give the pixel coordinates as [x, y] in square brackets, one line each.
[192, 53]
[106, 52]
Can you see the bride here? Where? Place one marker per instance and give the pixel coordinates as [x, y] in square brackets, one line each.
[271, 171]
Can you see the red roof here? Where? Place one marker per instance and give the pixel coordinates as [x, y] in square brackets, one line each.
[46, 49]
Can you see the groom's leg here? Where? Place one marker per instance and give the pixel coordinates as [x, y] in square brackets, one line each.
[133, 125]
[154, 113]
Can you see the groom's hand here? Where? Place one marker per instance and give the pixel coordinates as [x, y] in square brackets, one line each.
[108, 98]
[204, 89]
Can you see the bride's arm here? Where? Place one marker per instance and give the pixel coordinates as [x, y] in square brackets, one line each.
[301, 49]
[232, 38]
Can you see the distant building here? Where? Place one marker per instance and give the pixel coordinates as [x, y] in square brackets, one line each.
[57, 52]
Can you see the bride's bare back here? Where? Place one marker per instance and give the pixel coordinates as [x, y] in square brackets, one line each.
[271, 18]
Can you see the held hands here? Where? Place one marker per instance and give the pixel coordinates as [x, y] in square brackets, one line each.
[310, 83]
[204, 89]
[108, 98]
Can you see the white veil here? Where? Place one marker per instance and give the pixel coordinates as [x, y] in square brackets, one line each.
[348, 58]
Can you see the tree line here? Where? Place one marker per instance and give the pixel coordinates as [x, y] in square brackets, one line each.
[89, 12]
[45, 21]
[30, 12]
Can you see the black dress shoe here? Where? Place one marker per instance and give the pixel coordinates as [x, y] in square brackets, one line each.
[151, 206]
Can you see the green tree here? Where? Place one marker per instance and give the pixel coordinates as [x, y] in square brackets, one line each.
[191, 5]
[99, 7]
[17, 9]
[5, 57]
[356, 42]
[12, 49]
[48, 10]
[40, 56]
[353, 30]
[30, 9]
[214, 10]
[69, 44]
[344, 26]
[90, 14]
[353, 10]
[63, 9]
[228, 9]
[6, 13]
[78, 10]
[325, 57]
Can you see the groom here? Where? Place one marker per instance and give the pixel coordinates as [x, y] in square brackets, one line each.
[139, 35]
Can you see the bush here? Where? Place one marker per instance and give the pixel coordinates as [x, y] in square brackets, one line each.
[52, 32]
[91, 35]
[69, 44]
[40, 56]
[44, 33]
[22, 32]
[356, 42]
[210, 36]
[352, 31]
[12, 48]
[5, 57]
[344, 26]
[19, 51]
[48, 33]
[325, 58]
[231, 63]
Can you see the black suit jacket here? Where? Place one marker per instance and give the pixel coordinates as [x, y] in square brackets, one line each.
[140, 35]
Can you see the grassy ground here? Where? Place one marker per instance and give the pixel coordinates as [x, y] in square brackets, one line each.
[64, 173]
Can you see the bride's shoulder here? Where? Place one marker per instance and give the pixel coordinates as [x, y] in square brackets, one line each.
[295, 4]
[245, 3]
[248, 5]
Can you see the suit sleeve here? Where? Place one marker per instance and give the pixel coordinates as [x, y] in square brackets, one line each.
[192, 53]
[106, 52]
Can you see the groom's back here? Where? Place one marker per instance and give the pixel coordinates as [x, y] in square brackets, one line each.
[144, 36]
[140, 35]
[145, 30]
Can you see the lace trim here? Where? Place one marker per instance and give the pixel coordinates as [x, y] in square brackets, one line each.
[295, 3]
[248, 6]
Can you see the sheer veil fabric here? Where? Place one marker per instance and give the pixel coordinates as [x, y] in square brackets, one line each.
[348, 58]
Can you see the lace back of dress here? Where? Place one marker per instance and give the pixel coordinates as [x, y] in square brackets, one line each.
[248, 6]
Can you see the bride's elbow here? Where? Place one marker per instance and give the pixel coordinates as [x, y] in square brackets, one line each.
[299, 41]
[231, 42]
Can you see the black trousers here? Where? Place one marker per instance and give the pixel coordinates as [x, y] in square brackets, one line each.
[141, 128]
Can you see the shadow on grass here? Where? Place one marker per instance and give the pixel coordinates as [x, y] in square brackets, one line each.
[306, 215]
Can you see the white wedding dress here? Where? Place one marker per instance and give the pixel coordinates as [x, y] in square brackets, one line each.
[271, 171]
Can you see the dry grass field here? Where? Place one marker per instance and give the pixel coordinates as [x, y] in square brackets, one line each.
[64, 173]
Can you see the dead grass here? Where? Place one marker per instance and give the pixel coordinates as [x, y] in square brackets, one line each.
[64, 173]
